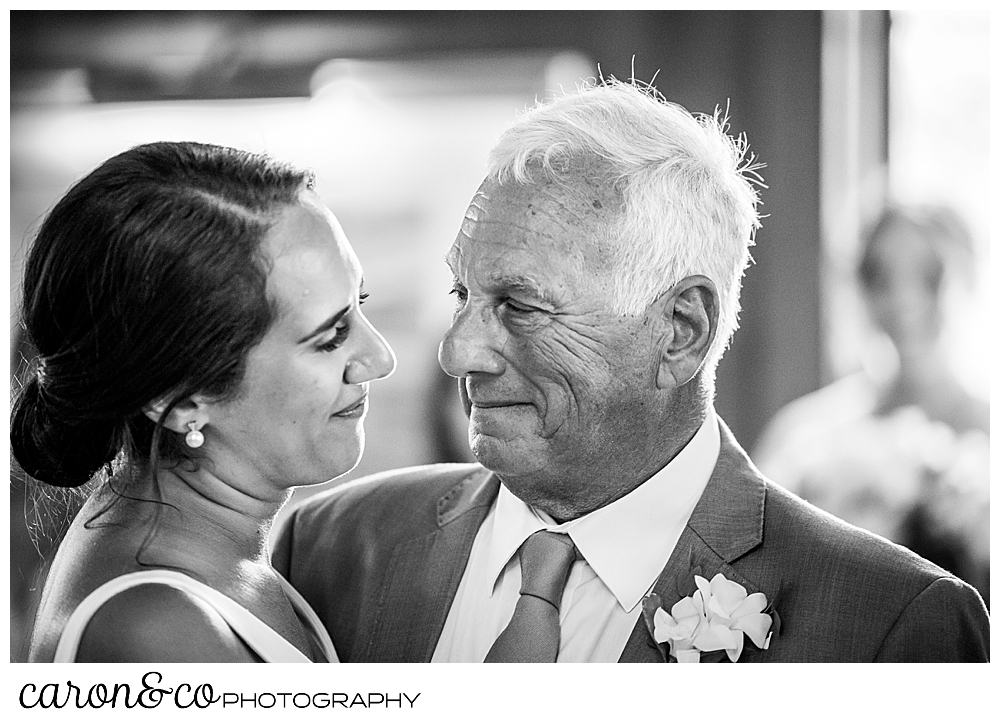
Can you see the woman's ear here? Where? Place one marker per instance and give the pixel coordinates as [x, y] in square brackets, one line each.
[690, 310]
[191, 409]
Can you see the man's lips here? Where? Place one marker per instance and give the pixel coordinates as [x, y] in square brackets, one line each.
[353, 409]
[495, 404]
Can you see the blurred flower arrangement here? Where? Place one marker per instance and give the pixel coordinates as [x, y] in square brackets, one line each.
[911, 479]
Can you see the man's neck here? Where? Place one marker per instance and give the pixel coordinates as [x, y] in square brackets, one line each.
[589, 485]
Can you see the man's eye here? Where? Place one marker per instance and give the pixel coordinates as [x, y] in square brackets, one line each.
[518, 308]
[460, 293]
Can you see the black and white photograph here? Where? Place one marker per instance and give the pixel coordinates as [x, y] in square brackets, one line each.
[498, 335]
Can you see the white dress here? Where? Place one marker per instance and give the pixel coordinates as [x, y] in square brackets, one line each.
[258, 636]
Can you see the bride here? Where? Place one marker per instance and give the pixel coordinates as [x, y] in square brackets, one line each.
[202, 351]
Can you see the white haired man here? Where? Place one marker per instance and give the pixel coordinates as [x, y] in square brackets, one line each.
[613, 516]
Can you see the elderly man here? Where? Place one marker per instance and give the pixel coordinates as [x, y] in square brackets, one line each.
[614, 517]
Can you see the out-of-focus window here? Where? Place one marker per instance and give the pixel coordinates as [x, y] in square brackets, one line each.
[939, 144]
[905, 120]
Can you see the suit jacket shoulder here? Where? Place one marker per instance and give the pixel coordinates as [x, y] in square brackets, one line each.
[402, 495]
[841, 593]
[379, 559]
[859, 596]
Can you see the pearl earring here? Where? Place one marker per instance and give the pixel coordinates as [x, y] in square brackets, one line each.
[194, 438]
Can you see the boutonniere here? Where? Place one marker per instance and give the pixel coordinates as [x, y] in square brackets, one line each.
[718, 615]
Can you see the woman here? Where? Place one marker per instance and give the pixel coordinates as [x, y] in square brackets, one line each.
[202, 351]
[903, 450]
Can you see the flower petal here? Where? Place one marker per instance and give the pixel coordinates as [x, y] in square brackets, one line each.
[734, 653]
[699, 603]
[730, 594]
[667, 627]
[689, 655]
[754, 603]
[716, 637]
[688, 627]
[716, 612]
[663, 625]
[755, 626]
[704, 587]
[685, 607]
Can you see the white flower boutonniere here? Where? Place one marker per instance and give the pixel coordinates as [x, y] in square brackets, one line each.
[715, 617]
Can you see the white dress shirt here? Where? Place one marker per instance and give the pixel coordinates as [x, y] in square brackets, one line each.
[625, 546]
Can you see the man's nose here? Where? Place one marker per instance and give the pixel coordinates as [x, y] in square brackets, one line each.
[374, 359]
[472, 343]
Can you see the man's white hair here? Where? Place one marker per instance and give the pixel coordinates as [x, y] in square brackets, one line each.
[687, 187]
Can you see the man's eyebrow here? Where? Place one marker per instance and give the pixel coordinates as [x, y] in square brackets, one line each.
[506, 282]
[523, 284]
[325, 326]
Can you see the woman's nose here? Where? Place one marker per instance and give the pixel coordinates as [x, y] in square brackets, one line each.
[374, 360]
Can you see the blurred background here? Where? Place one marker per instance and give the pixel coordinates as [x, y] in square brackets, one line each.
[396, 111]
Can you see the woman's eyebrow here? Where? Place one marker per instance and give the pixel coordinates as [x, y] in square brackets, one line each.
[332, 321]
[325, 326]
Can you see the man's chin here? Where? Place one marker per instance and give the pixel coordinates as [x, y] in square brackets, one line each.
[507, 457]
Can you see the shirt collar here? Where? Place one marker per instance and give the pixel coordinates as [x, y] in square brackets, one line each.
[628, 542]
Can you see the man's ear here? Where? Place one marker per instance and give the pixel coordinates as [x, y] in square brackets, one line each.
[690, 311]
[191, 409]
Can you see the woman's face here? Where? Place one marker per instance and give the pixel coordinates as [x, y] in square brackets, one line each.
[298, 417]
[904, 293]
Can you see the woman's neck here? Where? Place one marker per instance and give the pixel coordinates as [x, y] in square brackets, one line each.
[199, 520]
[926, 380]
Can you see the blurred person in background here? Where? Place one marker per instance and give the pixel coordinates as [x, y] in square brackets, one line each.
[613, 516]
[201, 352]
[902, 447]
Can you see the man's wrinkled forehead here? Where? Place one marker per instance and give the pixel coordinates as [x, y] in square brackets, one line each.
[568, 216]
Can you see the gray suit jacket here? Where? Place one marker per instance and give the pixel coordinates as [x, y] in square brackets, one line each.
[380, 560]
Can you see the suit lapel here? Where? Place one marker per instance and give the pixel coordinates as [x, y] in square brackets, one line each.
[424, 573]
[727, 522]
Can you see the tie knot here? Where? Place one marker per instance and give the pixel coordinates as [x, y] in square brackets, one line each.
[546, 558]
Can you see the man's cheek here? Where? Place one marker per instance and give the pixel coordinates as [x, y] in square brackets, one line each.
[569, 358]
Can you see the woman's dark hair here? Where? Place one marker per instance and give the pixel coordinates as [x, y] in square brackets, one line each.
[146, 282]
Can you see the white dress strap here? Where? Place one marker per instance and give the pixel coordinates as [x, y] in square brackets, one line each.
[260, 637]
[304, 609]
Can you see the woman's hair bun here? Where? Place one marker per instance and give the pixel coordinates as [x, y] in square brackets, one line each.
[57, 451]
[147, 281]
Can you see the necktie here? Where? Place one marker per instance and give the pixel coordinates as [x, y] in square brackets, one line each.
[532, 636]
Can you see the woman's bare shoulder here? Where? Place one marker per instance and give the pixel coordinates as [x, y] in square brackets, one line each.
[157, 623]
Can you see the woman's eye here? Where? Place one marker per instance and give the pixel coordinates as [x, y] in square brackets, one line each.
[460, 293]
[342, 331]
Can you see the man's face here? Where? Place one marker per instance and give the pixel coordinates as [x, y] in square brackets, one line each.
[557, 383]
